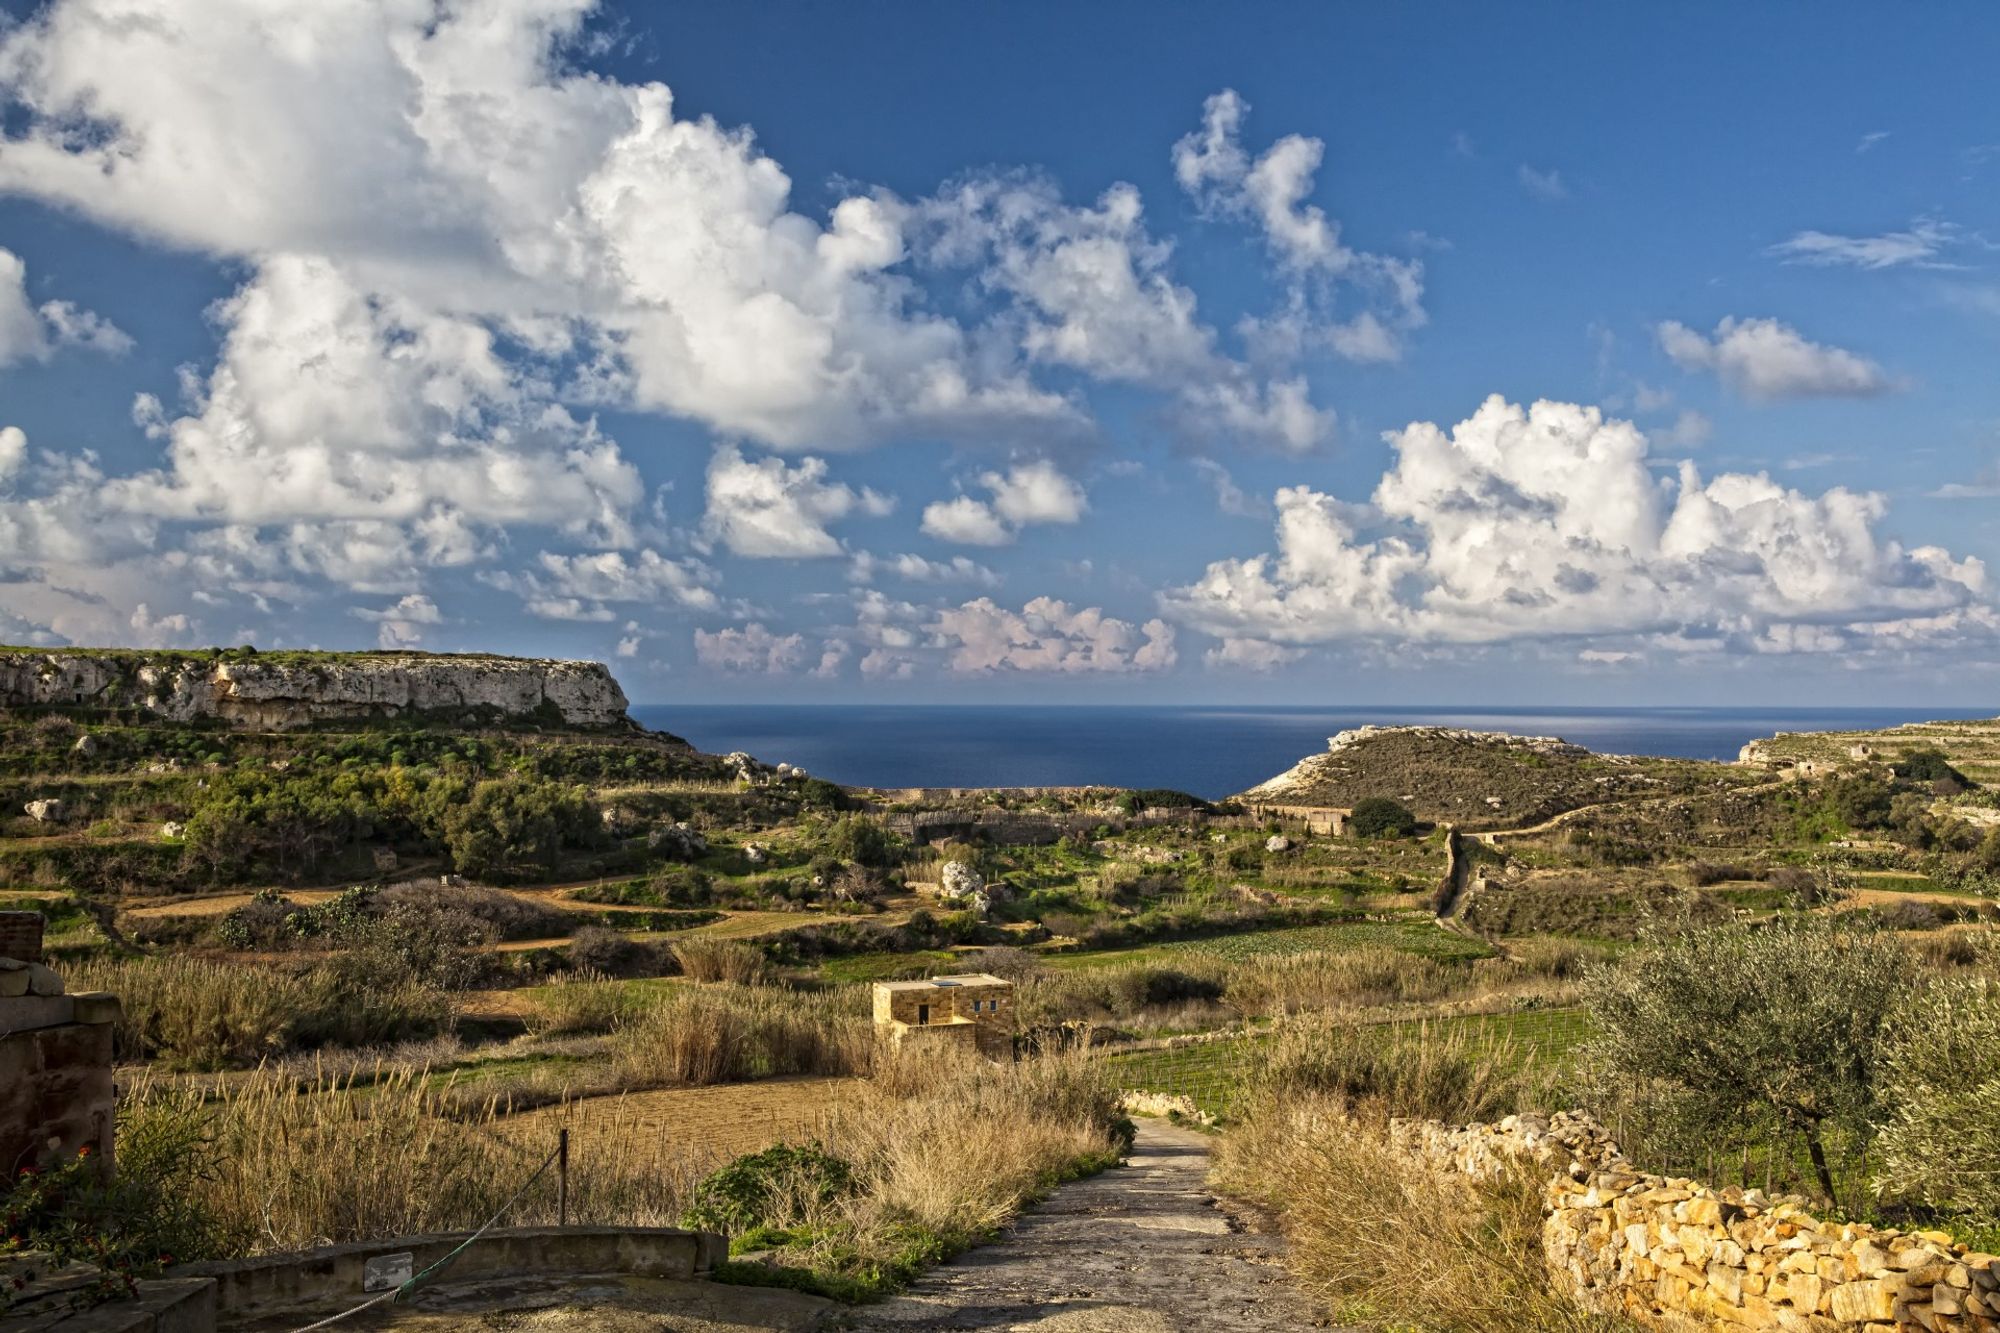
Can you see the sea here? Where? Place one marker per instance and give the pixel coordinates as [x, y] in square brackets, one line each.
[1209, 751]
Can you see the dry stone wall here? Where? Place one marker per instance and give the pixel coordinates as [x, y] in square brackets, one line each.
[1675, 1254]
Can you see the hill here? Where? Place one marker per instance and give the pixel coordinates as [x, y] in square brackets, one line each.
[1480, 778]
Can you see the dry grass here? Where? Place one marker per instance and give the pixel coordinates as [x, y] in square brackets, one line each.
[580, 1002]
[1380, 1235]
[705, 958]
[712, 1124]
[192, 1014]
[1425, 1074]
[1270, 984]
[945, 1150]
[295, 1167]
[692, 1036]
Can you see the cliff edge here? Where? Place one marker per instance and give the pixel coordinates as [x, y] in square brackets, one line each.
[278, 691]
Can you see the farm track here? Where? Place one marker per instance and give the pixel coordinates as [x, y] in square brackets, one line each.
[1144, 1248]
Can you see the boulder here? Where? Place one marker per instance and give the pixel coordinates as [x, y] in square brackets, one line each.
[45, 811]
[679, 841]
[173, 830]
[85, 747]
[756, 853]
[956, 879]
[1277, 842]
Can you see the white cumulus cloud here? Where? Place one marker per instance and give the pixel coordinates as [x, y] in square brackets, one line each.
[1764, 359]
[1024, 495]
[1546, 521]
[766, 509]
[1047, 635]
[752, 648]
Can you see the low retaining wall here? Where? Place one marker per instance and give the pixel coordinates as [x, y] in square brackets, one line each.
[1672, 1253]
[335, 1274]
[1651, 1247]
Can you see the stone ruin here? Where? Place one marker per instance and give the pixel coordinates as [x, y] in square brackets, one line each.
[56, 1095]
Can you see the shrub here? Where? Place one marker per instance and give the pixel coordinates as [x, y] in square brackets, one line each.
[1941, 1089]
[514, 826]
[613, 954]
[509, 916]
[1381, 817]
[1160, 798]
[777, 1183]
[1931, 766]
[1743, 1025]
[860, 840]
[819, 794]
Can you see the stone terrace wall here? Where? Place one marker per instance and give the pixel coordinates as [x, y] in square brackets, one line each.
[1671, 1253]
[1652, 1247]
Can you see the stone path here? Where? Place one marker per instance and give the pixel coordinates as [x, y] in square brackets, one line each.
[1143, 1248]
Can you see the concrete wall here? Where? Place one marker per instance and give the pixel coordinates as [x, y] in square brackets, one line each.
[334, 1274]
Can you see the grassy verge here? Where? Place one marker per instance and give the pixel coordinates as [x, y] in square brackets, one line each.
[931, 1159]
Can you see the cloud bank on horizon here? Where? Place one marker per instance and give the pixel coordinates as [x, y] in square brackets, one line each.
[511, 335]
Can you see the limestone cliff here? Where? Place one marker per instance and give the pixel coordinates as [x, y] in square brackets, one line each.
[284, 690]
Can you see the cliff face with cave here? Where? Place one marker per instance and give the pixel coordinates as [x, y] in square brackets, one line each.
[285, 690]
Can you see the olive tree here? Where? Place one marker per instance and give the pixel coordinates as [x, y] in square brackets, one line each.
[1941, 1098]
[1780, 1023]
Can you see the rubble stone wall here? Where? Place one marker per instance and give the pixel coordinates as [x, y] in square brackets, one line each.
[1673, 1253]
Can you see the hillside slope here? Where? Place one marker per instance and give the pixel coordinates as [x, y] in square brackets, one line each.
[1480, 779]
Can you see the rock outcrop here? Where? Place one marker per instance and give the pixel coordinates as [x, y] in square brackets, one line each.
[289, 690]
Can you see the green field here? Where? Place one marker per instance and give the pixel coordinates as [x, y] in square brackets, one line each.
[1416, 935]
[1216, 1075]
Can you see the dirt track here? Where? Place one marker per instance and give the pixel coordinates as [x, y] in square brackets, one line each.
[1140, 1249]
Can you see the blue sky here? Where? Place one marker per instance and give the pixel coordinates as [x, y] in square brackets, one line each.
[1555, 353]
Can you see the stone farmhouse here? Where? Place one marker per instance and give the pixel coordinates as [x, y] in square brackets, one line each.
[973, 1012]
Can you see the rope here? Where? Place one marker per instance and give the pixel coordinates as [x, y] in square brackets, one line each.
[397, 1293]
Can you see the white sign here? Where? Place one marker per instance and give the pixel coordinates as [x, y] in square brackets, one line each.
[387, 1271]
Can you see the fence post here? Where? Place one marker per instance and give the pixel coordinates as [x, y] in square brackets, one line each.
[562, 1176]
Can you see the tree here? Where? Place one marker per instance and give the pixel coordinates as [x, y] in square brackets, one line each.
[861, 841]
[512, 823]
[1780, 1023]
[1380, 817]
[1931, 766]
[1941, 1089]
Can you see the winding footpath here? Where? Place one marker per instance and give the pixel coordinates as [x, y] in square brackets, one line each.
[1144, 1248]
